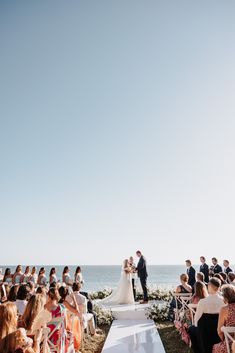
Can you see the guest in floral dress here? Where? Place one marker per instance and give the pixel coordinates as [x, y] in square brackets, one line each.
[226, 316]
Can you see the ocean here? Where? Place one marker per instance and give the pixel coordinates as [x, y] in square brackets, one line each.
[100, 277]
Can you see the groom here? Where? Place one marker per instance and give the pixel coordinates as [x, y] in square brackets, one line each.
[142, 274]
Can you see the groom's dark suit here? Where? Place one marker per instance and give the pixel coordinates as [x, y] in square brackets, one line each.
[142, 274]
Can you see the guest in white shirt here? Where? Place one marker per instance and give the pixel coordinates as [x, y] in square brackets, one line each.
[21, 299]
[209, 305]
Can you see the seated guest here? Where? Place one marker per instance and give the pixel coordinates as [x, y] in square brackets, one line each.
[184, 287]
[200, 292]
[226, 316]
[52, 276]
[191, 273]
[66, 279]
[78, 276]
[204, 268]
[224, 276]
[26, 275]
[17, 275]
[42, 279]
[231, 278]
[215, 268]
[200, 277]
[227, 269]
[14, 340]
[7, 278]
[13, 293]
[34, 306]
[209, 305]
[22, 298]
[33, 276]
[218, 275]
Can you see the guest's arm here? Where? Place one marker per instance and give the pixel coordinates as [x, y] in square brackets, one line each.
[222, 319]
[199, 312]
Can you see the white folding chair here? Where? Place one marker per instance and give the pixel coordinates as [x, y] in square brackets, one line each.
[229, 335]
[181, 301]
[192, 308]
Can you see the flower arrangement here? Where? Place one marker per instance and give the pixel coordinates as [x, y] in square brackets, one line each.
[158, 313]
[101, 294]
[104, 317]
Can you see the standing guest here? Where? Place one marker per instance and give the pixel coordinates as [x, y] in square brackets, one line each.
[133, 275]
[26, 275]
[42, 279]
[204, 268]
[21, 298]
[209, 305]
[191, 273]
[78, 276]
[7, 278]
[66, 279]
[33, 277]
[52, 276]
[200, 292]
[142, 274]
[17, 275]
[215, 268]
[231, 278]
[227, 269]
[14, 340]
[226, 316]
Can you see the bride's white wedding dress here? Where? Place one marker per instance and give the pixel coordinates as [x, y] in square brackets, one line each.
[123, 294]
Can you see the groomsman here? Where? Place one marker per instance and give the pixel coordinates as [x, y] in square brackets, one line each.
[227, 269]
[133, 275]
[204, 268]
[191, 273]
[142, 274]
[215, 268]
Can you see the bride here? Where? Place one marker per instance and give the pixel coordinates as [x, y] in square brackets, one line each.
[123, 294]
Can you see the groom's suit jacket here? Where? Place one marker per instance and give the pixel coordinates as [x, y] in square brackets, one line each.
[141, 268]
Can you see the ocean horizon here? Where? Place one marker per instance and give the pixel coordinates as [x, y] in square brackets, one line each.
[99, 277]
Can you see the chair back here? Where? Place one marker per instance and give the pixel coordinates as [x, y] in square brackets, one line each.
[181, 304]
[229, 335]
[207, 332]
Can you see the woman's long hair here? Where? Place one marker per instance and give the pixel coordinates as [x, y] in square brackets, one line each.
[7, 273]
[34, 306]
[8, 326]
[66, 270]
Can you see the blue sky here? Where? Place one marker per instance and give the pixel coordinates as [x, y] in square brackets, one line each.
[117, 130]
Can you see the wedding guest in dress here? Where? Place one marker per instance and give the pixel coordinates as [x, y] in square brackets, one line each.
[78, 277]
[34, 306]
[13, 340]
[52, 276]
[231, 278]
[184, 287]
[42, 279]
[191, 273]
[218, 275]
[200, 292]
[215, 268]
[33, 277]
[209, 305]
[26, 275]
[227, 269]
[142, 274]
[66, 279]
[22, 298]
[7, 278]
[226, 316]
[17, 275]
[133, 275]
[204, 268]
[224, 276]
[200, 277]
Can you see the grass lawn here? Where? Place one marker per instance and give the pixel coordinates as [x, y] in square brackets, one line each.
[171, 339]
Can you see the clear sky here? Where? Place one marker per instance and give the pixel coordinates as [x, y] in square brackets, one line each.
[117, 130]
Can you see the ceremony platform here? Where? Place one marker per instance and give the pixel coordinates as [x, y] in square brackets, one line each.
[132, 331]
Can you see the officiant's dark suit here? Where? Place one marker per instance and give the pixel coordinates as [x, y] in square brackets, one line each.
[204, 268]
[191, 276]
[142, 274]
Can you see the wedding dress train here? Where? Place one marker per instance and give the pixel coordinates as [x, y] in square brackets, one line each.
[123, 294]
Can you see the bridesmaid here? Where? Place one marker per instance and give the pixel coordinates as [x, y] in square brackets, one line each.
[17, 275]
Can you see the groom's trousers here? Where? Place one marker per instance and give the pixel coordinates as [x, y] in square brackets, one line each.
[134, 288]
[143, 281]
